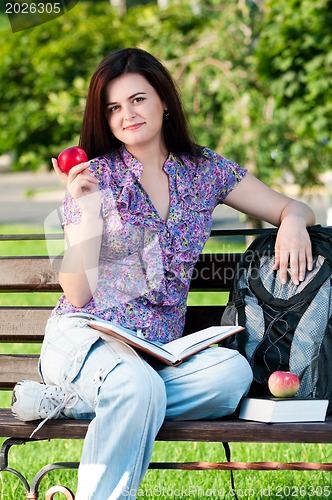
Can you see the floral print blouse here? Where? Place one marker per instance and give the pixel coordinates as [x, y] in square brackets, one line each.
[146, 263]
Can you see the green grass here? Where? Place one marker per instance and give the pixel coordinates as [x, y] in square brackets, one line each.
[184, 484]
[163, 485]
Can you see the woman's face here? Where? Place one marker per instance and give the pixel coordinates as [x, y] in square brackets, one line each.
[134, 112]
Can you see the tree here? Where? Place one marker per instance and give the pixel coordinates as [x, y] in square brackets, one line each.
[120, 5]
[45, 72]
[236, 94]
[228, 110]
[44, 76]
[294, 63]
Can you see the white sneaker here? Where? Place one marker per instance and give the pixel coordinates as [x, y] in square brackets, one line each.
[34, 401]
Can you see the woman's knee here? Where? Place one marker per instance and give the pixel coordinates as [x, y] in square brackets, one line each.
[230, 368]
[240, 373]
[209, 385]
[231, 382]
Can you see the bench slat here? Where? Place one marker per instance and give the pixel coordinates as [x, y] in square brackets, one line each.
[23, 324]
[230, 430]
[15, 367]
[214, 272]
[200, 317]
[27, 324]
[19, 324]
[25, 274]
[39, 274]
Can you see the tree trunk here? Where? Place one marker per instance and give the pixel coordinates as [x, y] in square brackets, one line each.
[120, 5]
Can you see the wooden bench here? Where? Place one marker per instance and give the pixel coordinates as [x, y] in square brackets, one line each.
[26, 324]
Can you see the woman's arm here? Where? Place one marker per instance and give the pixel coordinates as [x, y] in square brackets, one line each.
[79, 269]
[293, 246]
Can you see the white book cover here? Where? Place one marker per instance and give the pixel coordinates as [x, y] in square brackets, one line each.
[283, 409]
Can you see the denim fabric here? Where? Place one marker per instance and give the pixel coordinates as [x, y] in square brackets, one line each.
[127, 399]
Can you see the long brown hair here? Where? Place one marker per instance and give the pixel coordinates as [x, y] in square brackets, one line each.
[97, 139]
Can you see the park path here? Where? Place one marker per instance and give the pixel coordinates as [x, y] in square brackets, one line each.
[27, 198]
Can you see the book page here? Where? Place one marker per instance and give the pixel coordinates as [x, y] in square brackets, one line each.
[174, 351]
[179, 346]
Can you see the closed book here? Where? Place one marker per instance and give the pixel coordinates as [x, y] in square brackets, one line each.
[294, 409]
[174, 352]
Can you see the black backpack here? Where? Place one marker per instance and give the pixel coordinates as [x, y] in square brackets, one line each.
[287, 327]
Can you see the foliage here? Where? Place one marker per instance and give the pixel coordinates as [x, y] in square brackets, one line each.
[44, 77]
[228, 110]
[294, 57]
[45, 72]
[251, 92]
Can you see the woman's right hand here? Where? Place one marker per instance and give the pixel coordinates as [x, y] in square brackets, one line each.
[82, 186]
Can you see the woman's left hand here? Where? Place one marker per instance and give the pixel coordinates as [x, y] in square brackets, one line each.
[293, 245]
[293, 250]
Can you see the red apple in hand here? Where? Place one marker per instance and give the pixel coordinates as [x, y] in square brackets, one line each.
[283, 384]
[70, 157]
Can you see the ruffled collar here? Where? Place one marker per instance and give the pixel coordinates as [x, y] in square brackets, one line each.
[133, 165]
[131, 200]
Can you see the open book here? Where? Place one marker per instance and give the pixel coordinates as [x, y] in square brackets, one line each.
[175, 351]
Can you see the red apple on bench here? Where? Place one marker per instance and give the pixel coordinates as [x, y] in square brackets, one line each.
[283, 384]
[70, 157]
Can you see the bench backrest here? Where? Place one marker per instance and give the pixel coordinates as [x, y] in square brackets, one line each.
[25, 323]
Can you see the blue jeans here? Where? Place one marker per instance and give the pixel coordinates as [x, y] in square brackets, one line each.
[127, 399]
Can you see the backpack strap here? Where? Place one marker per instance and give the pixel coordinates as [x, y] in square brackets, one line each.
[228, 457]
[262, 294]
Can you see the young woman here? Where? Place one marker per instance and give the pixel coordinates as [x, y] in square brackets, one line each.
[136, 217]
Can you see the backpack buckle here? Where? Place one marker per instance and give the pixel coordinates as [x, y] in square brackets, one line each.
[239, 300]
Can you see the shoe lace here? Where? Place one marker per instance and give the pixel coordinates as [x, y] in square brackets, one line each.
[54, 406]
